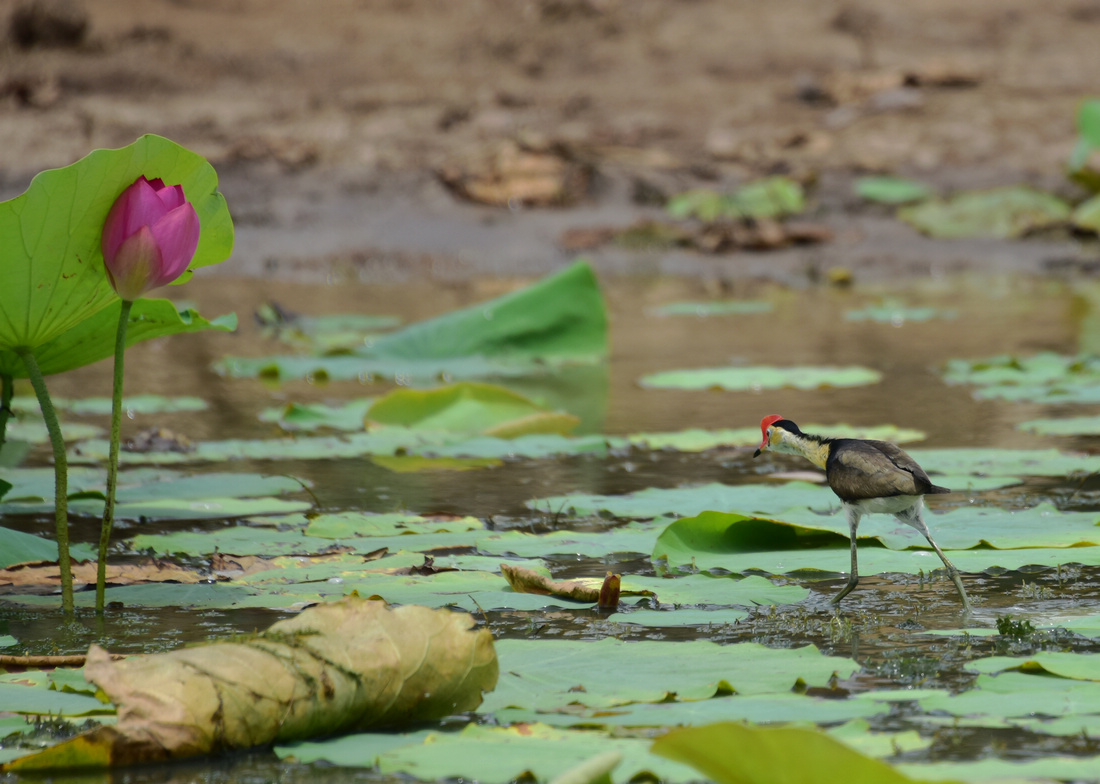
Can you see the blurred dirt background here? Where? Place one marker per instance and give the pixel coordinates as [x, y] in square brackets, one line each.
[388, 139]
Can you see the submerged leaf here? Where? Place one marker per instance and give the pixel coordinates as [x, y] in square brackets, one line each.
[336, 667]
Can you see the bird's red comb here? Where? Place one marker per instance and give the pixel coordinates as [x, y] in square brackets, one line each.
[767, 421]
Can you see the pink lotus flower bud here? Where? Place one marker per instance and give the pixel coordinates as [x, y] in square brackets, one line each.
[149, 237]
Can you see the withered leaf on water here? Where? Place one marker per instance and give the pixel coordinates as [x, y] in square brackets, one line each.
[149, 570]
[604, 591]
[345, 666]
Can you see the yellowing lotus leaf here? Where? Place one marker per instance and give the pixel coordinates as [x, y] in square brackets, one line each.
[338, 667]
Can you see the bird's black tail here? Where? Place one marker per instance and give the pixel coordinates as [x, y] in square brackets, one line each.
[936, 490]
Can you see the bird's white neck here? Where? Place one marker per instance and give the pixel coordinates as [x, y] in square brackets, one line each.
[813, 449]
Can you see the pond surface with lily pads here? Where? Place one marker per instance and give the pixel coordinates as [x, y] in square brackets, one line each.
[253, 488]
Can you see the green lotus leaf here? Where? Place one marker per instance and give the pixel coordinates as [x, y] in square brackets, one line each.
[51, 261]
[468, 407]
[891, 190]
[762, 377]
[1002, 213]
[94, 338]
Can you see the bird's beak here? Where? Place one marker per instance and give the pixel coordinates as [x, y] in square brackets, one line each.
[758, 452]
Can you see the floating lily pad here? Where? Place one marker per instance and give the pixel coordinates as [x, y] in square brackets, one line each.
[469, 408]
[552, 674]
[630, 538]
[685, 501]
[385, 441]
[290, 539]
[1005, 462]
[661, 618]
[1064, 426]
[19, 547]
[531, 446]
[739, 543]
[1049, 768]
[897, 314]
[762, 708]
[295, 417]
[1018, 695]
[342, 525]
[325, 333]
[153, 495]
[1002, 213]
[699, 440]
[34, 431]
[43, 701]
[1064, 664]
[210, 595]
[381, 441]
[717, 591]
[892, 190]
[721, 307]
[137, 404]
[1045, 377]
[762, 377]
[493, 755]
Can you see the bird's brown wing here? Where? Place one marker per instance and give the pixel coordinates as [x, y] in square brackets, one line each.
[858, 469]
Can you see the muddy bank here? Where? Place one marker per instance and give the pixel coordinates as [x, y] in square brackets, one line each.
[333, 129]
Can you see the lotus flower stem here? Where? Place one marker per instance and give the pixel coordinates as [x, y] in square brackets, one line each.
[112, 458]
[61, 476]
[7, 391]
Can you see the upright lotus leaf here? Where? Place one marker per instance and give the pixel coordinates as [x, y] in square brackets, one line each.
[468, 407]
[337, 667]
[94, 338]
[735, 753]
[51, 262]
[561, 317]
[1088, 140]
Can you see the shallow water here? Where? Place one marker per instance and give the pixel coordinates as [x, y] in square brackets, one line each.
[809, 326]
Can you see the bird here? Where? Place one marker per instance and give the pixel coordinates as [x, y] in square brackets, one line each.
[869, 477]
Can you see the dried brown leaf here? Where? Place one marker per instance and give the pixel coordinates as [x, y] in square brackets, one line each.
[338, 667]
[147, 571]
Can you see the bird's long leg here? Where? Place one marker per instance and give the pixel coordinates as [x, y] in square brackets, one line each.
[914, 518]
[853, 515]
